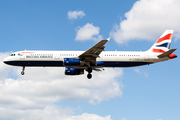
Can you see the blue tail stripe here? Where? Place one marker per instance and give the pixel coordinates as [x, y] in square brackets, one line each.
[163, 45]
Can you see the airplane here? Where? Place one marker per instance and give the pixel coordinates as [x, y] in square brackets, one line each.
[95, 58]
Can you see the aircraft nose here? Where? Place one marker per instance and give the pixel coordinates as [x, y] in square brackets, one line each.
[6, 60]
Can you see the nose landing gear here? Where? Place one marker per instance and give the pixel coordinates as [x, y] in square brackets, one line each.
[22, 73]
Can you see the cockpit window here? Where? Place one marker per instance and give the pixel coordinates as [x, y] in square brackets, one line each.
[13, 54]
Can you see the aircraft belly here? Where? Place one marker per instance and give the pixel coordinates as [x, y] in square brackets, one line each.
[124, 63]
[35, 63]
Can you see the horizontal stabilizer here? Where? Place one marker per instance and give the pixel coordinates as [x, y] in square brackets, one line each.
[167, 53]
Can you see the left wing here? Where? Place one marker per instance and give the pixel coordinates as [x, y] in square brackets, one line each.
[167, 53]
[89, 56]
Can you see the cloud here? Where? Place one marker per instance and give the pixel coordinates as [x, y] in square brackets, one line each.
[4, 69]
[86, 116]
[147, 20]
[75, 14]
[141, 72]
[51, 112]
[137, 70]
[124, 118]
[88, 32]
[40, 88]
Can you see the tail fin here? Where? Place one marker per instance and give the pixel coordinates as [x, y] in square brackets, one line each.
[163, 43]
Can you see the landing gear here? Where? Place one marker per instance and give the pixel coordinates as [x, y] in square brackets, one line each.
[89, 75]
[22, 73]
[89, 70]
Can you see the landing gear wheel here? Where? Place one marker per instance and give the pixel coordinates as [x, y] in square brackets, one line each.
[89, 70]
[89, 76]
[22, 73]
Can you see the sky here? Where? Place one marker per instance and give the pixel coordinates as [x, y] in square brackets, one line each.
[148, 92]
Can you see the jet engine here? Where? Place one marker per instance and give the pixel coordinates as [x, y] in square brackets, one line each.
[72, 62]
[73, 71]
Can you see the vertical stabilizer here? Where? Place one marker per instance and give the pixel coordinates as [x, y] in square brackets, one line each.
[163, 43]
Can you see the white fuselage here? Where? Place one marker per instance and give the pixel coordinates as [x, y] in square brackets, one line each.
[94, 58]
[105, 59]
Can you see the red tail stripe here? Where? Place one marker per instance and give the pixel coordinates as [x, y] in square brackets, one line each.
[158, 51]
[167, 37]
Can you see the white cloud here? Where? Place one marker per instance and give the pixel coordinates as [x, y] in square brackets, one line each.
[88, 32]
[86, 116]
[4, 69]
[159, 119]
[124, 118]
[76, 14]
[51, 112]
[35, 92]
[46, 85]
[148, 19]
[141, 72]
[137, 70]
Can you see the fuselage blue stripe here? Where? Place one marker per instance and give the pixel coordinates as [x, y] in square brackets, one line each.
[60, 63]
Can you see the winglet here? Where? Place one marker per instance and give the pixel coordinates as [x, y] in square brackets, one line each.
[108, 39]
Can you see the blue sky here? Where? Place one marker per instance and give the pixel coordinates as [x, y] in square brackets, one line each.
[139, 93]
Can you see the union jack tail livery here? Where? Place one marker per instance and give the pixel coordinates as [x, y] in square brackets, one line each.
[162, 45]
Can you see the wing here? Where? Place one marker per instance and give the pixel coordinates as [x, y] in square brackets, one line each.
[89, 56]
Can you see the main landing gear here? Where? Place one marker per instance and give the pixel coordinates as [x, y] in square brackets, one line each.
[89, 75]
[22, 73]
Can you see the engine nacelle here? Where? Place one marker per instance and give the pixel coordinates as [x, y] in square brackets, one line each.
[73, 71]
[72, 62]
